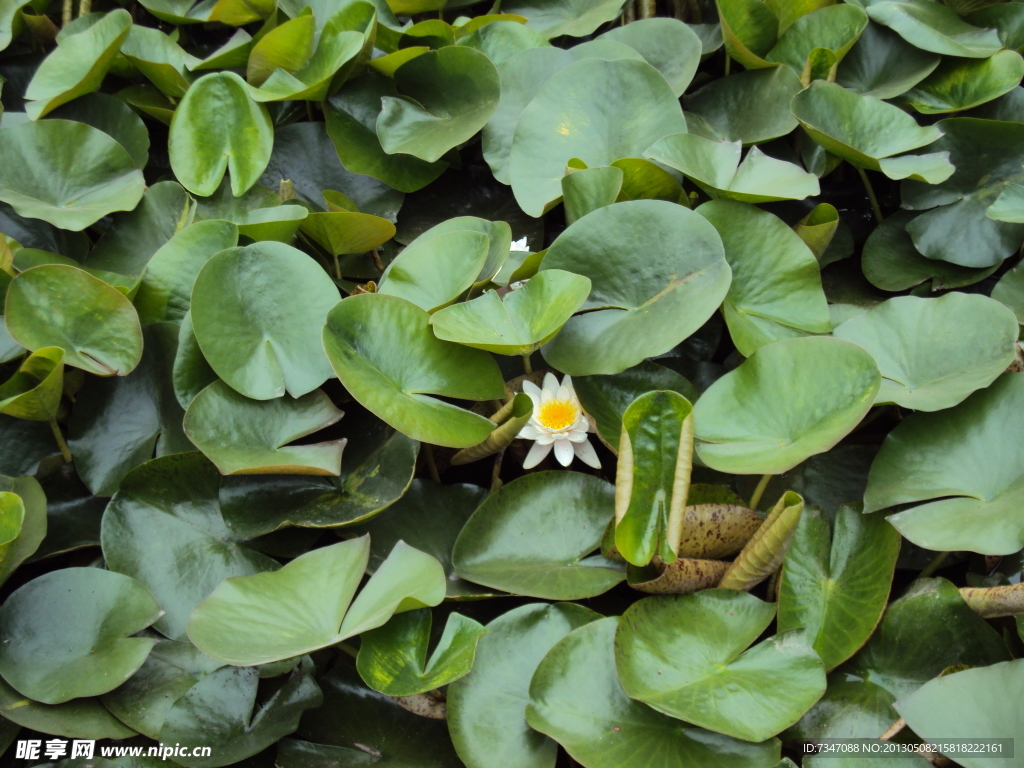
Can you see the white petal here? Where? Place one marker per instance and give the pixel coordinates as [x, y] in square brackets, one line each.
[563, 452]
[587, 454]
[567, 382]
[582, 424]
[532, 390]
[576, 436]
[546, 438]
[529, 432]
[564, 393]
[550, 382]
[537, 454]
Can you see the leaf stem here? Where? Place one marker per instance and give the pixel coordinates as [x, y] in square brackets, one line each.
[934, 565]
[353, 652]
[875, 207]
[762, 484]
[64, 450]
[428, 456]
[67, 13]
[376, 259]
[526, 364]
[84, 8]
[496, 471]
[728, 63]
[337, 268]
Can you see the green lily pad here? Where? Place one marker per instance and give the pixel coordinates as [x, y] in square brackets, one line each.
[850, 709]
[751, 107]
[165, 528]
[628, 318]
[218, 127]
[716, 168]
[33, 525]
[576, 698]
[605, 398]
[502, 39]
[554, 562]
[935, 27]
[115, 118]
[274, 625]
[485, 708]
[587, 189]
[254, 330]
[988, 156]
[499, 235]
[1009, 292]
[625, 106]
[446, 97]
[351, 123]
[191, 373]
[834, 28]
[390, 371]
[165, 293]
[965, 702]
[836, 579]
[90, 650]
[376, 470]
[243, 436]
[925, 631]
[788, 401]
[12, 515]
[882, 64]
[522, 77]
[77, 65]
[75, 719]
[120, 422]
[99, 330]
[160, 59]
[929, 456]
[668, 45]
[750, 29]
[933, 353]
[433, 271]
[891, 262]
[1009, 206]
[429, 517]
[863, 130]
[287, 46]
[135, 236]
[393, 658]
[34, 392]
[959, 84]
[771, 684]
[521, 323]
[775, 292]
[66, 173]
[73, 514]
[653, 476]
[554, 18]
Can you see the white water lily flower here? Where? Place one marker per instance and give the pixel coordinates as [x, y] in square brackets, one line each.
[558, 423]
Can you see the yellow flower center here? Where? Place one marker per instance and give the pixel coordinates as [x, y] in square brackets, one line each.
[557, 415]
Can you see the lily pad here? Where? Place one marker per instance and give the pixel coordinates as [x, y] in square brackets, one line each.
[834, 28]
[575, 18]
[751, 107]
[91, 650]
[716, 168]
[160, 59]
[393, 658]
[254, 330]
[243, 436]
[961, 84]
[987, 155]
[34, 392]
[276, 626]
[115, 118]
[595, 110]
[933, 353]
[776, 291]
[925, 631]
[668, 45]
[66, 173]
[485, 708]
[165, 528]
[576, 698]
[788, 401]
[376, 470]
[625, 319]
[554, 562]
[98, 330]
[836, 579]
[33, 525]
[964, 702]
[75, 719]
[218, 127]
[123, 421]
[447, 96]
[772, 684]
[520, 324]
[77, 65]
[390, 373]
[935, 27]
[929, 456]
[432, 271]
[351, 123]
[1009, 292]
[882, 64]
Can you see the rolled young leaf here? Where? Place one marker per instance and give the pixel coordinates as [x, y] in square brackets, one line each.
[763, 554]
[507, 431]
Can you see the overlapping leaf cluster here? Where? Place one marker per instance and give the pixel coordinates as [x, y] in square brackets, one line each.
[288, 286]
